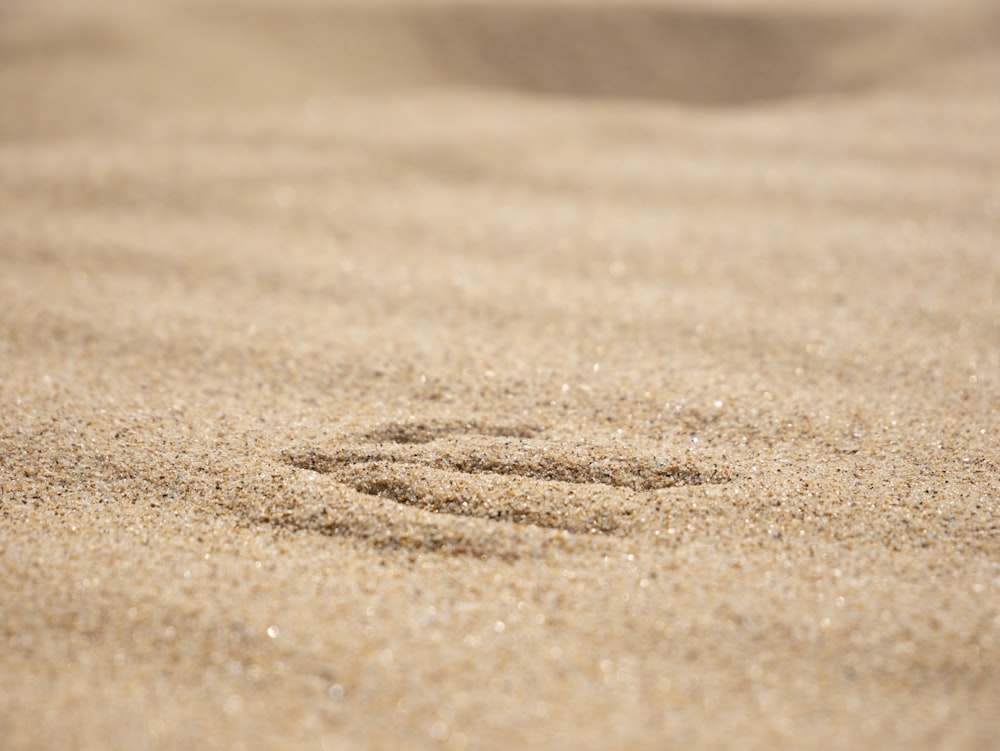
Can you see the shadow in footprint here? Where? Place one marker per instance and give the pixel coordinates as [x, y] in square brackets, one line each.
[425, 432]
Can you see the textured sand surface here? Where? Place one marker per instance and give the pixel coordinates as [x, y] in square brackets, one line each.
[490, 375]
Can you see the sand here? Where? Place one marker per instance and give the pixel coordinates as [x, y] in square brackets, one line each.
[489, 375]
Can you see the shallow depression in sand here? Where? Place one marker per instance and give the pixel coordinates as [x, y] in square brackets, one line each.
[501, 473]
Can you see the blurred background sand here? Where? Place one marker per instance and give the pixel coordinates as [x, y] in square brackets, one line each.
[477, 374]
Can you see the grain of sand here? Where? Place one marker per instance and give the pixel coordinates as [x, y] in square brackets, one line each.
[483, 375]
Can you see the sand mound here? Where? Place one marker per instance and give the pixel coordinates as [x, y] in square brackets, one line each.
[705, 57]
[189, 53]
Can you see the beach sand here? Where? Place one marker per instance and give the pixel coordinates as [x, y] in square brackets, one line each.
[489, 375]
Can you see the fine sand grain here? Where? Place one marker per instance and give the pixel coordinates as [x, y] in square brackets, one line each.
[472, 374]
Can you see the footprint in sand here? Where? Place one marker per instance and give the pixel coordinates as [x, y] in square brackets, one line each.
[503, 473]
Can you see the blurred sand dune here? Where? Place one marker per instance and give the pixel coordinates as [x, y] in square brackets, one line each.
[710, 57]
[85, 58]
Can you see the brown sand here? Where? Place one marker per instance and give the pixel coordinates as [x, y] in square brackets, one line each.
[490, 375]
